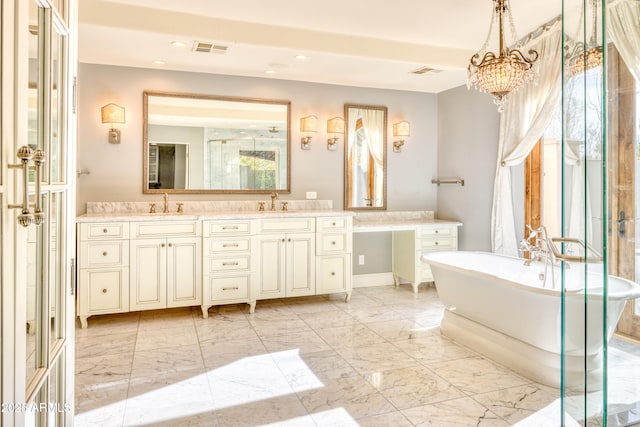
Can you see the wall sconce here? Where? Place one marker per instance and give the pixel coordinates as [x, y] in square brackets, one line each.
[308, 124]
[400, 129]
[335, 126]
[112, 113]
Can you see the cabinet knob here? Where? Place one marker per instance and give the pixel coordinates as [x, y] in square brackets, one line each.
[333, 223]
[170, 244]
[333, 243]
[289, 239]
[104, 230]
[333, 273]
[104, 253]
[436, 243]
[104, 291]
[283, 240]
[436, 231]
[162, 245]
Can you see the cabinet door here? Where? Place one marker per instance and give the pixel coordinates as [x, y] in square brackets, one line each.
[104, 290]
[271, 267]
[300, 264]
[148, 274]
[184, 272]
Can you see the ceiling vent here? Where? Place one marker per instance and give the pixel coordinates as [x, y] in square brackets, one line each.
[207, 47]
[425, 70]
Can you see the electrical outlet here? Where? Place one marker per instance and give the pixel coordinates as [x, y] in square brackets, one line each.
[360, 259]
[312, 195]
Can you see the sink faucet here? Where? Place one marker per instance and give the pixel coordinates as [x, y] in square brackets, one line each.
[274, 197]
[165, 209]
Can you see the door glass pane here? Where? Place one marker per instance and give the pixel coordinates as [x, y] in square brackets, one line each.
[55, 270]
[57, 121]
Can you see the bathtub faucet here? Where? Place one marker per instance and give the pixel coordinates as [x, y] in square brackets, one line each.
[537, 245]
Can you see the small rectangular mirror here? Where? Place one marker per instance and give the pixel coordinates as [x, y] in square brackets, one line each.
[211, 144]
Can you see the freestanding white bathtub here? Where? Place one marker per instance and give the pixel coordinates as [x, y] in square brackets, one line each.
[511, 313]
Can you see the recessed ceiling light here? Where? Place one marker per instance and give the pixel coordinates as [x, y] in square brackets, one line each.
[270, 71]
[159, 62]
[301, 57]
[177, 43]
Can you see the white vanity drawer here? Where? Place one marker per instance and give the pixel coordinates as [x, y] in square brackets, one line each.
[229, 264]
[288, 225]
[165, 228]
[228, 288]
[437, 231]
[106, 290]
[333, 224]
[439, 243]
[241, 244]
[218, 228]
[330, 243]
[104, 254]
[103, 231]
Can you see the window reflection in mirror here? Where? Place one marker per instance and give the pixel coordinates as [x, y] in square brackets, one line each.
[209, 144]
[365, 157]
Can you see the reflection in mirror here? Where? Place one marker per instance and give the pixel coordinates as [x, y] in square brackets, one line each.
[210, 144]
[365, 157]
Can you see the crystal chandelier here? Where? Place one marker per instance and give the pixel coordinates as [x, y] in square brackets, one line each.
[502, 73]
[585, 57]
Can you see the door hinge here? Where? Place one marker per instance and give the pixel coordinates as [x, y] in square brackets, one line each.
[73, 277]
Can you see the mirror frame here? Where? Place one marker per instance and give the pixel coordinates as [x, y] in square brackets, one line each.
[347, 185]
[145, 142]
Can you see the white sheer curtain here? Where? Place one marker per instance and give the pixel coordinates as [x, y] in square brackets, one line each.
[623, 26]
[579, 195]
[373, 124]
[354, 114]
[526, 116]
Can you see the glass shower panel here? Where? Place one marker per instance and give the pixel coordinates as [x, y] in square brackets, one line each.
[583, 237]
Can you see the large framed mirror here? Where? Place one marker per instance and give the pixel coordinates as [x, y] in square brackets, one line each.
[196, 143]
[365, 157]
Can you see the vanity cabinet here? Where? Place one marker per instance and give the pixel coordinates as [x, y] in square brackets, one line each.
[229, 254]
[286, 258]
[103, 261]
[334, 249]
[166, 265]
[409, 245]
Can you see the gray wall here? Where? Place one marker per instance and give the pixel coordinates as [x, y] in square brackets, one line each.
[116, 170]
[467, 148]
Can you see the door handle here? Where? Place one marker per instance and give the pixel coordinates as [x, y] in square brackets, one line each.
[26, 218]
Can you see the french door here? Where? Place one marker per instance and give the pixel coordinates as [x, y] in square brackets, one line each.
[37, 207]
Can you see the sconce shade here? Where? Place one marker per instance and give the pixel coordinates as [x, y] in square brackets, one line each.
[309, 124]
[335, 125]
[401, 129]
[112, 113]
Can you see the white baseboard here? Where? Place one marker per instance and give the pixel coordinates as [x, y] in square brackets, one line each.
[375, 279]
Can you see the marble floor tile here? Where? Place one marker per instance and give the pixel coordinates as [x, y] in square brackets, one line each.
[517, 403]
[149, 339]
[168, 397]
[349, 336]
[101, 345]
[454, 413]
[278, 327]
[395, 419]
[329, 319]
[476, 375]
[396, 330]
[354, 395]
[165, 360]
[413, 386]
[376, 358]
[375, 314]
[311, 370]
[220, 330]
[303, 342]
[284, 410]
[218, 354]
[433, 348]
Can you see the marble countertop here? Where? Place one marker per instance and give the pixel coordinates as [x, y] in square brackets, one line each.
[193, 216]
[401, 220]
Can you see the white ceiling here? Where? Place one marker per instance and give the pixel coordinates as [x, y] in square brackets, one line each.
[366, 43]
